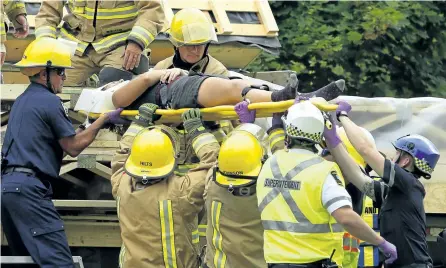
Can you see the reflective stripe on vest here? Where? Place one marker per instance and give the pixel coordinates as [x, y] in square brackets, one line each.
[202, 140]
[275, 136]
[350, 243]
[368, 257]
[142, 34]
[107, 13]
[110, 41]
[182, 170]
[219, 134]
[217, 238]
[303, 225]
[81, 46]
[195, 237]
[167, 234]
[202, 229]
[122, 256]
[45, 31]
[103, 44]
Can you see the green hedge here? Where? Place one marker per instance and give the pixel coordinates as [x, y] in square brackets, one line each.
[379, 48]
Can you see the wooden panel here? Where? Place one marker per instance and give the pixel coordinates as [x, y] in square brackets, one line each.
[89, 234]
[229, 5]
[435, 200]
[267, 18]
[15, 78]
[223, 24]
[11, 92]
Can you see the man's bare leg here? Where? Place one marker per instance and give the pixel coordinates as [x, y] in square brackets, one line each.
[216, 91]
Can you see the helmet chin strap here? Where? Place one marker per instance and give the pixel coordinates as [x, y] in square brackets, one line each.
[48, 81]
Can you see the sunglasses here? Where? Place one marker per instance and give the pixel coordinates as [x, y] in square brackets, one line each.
[59, 71]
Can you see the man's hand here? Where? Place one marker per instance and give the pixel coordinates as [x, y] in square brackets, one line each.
[147, 115]
[2, 58]
[132, 56]
[172, 74]
[23, 31]
[114, 117]
[244, 114]
[192, 121]
[389, 250]
[343, 108]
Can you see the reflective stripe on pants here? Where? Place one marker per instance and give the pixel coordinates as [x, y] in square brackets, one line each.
[167, 234]
[220, 256]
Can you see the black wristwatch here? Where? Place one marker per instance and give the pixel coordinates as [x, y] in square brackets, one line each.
[82, 126]
[342, 113]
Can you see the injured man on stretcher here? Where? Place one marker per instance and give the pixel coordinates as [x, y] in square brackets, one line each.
[176, 89]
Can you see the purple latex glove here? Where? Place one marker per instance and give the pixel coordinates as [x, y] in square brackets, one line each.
[389, 250]
[343, 107]
[300, 98]
[245, 115]
[114, 117]
[331, 137]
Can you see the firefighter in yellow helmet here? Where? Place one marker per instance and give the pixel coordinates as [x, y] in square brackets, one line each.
[16, 13]
[356, 255]
[158, 210]
[191, 33]
[110, 34]
[235, 233]
[302, 199]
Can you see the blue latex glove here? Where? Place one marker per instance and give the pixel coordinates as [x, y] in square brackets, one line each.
[343, 108]
[330, 135]
[389, 250]
[114, 117]
[245, 115]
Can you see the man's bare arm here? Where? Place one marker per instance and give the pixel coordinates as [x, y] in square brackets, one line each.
[124, 96]
[352, 172]
[365, 148]
[356, 226]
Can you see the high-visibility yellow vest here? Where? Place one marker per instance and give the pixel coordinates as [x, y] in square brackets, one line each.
[297, 227]
[369, 255]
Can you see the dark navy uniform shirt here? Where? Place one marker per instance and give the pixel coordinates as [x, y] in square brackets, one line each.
[37, 122]
[402, 216]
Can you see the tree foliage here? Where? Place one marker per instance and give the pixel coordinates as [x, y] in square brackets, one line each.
[379, 48]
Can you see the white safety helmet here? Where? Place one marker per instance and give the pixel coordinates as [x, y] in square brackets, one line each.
[304, 121]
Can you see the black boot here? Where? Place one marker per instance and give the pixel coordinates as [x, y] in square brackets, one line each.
[289, 92]
[328, 92]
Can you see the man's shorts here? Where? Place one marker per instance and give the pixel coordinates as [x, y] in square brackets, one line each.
[181, 93]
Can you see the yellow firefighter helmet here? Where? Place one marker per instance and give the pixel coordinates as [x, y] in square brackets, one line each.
[153, 154]
[240, 158]
[42, 53]
[190, 26]
[349, 146]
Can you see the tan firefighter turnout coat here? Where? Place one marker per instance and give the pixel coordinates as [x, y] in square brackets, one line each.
[159, 223]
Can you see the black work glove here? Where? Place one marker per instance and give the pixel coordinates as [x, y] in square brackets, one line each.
[147, 115]
[192, 121]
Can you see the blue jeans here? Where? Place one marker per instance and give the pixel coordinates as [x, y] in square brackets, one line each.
[31, 223]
